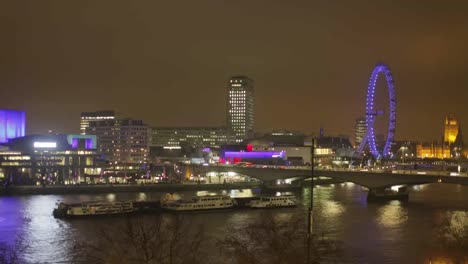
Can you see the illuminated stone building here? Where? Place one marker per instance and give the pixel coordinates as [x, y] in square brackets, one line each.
[432, 150]
[458, 146]
[240, 107]
[451, 129]
[452, 145]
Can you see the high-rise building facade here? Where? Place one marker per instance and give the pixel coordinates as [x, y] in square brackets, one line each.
[240, 107]
[360, 131]
[90, 117]
[451, 129]
[121, 140]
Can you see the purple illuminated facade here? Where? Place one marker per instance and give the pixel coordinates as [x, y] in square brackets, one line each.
[371, 113]
[12, 124]
[239, 155]
[90, 141]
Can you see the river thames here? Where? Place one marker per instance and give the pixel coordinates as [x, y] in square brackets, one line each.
[386, 232]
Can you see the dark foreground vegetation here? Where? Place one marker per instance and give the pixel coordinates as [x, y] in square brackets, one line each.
[174, 239]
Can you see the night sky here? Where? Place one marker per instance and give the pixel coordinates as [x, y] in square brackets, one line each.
[168, 62]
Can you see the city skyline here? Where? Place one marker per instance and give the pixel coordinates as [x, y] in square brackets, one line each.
[210, 131]
[304, 79]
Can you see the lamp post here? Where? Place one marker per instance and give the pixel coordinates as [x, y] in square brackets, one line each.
[311, 206]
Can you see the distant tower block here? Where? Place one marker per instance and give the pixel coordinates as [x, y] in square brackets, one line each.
[360, 130]
[240, 110]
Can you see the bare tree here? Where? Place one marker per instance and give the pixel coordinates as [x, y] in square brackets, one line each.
[269, 240]
[165, 239]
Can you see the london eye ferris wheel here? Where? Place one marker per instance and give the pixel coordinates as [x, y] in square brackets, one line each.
[372, 113]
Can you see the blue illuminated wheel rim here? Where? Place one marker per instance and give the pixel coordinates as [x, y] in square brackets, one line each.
[371, 112]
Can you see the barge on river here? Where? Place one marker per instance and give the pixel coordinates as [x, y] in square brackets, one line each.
[273, 202]
[216, 202]
[93, 209]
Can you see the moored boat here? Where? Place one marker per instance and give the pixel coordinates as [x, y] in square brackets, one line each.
[377, 195]
[93, 209]
[216, 202]
[273, 202]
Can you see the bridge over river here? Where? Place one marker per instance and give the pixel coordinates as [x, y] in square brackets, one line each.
[373, 180]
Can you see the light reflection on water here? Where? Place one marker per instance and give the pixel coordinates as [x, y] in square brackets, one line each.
[141, 197]
[41, 229]
[331, 209]
[391, 232]
[392, 215]
[110, 197]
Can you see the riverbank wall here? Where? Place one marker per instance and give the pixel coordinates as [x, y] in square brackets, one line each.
[118, 188]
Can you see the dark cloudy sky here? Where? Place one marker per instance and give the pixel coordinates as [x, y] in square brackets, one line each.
[167, 62]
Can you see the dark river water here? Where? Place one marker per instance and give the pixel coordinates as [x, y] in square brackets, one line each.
[388, 232]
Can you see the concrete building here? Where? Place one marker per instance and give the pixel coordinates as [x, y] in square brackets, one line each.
[121, 140]
[176, 137]
[49, 159]
[239, 122]
[240, 107]
[341, 142]
[89, 117]
[360, 131]
[292, 144]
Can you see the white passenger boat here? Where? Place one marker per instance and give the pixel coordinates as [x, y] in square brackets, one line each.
[273, 202]
[216, 202]
[93, 208]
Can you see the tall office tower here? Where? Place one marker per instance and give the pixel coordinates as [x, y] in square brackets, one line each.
[240, 107]
[451, 129]
[360, 131]
[123, 140]
[89, 117]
